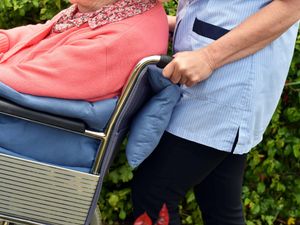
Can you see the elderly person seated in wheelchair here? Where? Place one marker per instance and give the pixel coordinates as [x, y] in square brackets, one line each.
[85, 52]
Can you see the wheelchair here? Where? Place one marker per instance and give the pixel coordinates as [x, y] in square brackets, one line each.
[38, 193]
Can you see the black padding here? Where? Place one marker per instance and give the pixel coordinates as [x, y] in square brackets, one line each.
[164, 60]
[11, 109]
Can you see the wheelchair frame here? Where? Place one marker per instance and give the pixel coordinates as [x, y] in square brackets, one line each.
[37, 193]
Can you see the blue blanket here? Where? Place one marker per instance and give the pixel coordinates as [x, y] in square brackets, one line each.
[152, 120]
[50, 145]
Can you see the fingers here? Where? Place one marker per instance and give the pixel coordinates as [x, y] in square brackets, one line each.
[172, 72]
[188, 68]
[176, 76]
[190, 83]
[183, 80]
[168, 70]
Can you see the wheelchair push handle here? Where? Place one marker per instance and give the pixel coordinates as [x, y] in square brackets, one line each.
[164, 60]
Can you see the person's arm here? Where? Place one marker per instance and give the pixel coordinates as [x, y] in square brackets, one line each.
[249, 37]
[4, 43]
[63, 71]
[171, 19]
[9, 38]
[172, 23]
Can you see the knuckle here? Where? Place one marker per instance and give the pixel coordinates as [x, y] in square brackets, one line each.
[193, 79]
[184, 70]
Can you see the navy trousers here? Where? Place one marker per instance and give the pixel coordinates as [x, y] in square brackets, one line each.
[177, 165]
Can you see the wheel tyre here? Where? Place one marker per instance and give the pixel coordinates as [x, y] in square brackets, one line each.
[5, 223]
[96, 220]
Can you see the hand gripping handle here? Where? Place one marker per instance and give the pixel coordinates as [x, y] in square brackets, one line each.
[164, 60]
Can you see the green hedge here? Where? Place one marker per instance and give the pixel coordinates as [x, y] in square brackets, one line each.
[271, 192]
[19, 12]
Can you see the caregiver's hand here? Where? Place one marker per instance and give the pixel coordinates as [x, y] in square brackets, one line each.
[190, 67]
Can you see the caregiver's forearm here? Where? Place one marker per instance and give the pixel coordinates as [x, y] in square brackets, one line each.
[172, 22]
[255, 32]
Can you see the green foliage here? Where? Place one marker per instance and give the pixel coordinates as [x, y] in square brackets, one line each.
[171, 7]
[272, 181]
[115, 203]
[271, 192]
[20, 12]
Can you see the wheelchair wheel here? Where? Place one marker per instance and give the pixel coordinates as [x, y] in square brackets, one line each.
[8, 223]
[3, 222]
[96, 220]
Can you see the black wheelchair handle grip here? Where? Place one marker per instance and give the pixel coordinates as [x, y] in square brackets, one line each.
[14, 110]
[164, 60]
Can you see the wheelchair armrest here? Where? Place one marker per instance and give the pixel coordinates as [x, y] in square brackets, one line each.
[14, 110]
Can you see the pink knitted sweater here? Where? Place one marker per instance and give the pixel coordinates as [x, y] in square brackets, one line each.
[80, 63]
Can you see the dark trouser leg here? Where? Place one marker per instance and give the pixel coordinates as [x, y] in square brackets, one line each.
[175, 166]
[219, 194]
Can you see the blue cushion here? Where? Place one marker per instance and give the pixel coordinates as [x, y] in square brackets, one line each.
[94, 114]
[49, 145]
[150, 123]
[46, 144]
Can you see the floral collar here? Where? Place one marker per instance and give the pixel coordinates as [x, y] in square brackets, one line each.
[118, 11]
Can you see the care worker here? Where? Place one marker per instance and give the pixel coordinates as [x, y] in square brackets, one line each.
[232, 59]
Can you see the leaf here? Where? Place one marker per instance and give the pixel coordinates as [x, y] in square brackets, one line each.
[114, 176]
[291, 221]
[255, 209]
[190, 197]
[113, 200]
[296, 150]
[35, 3]
[261, 187]
[58, 4]
[297, 198]
[122, 215]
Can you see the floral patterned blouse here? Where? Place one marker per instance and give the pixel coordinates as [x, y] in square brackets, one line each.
[117, 11]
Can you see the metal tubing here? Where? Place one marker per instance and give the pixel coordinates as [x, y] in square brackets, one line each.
[10, 220]
[124, 96]
[87, 133]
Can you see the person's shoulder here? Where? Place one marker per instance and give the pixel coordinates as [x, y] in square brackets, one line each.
[150, 24]
[153, 20]
[156, 13]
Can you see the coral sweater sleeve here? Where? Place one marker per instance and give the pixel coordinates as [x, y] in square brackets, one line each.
[9, 38]
[4, 43]
[59, 75]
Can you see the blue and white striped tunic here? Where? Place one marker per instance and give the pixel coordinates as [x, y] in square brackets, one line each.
[238, 99]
